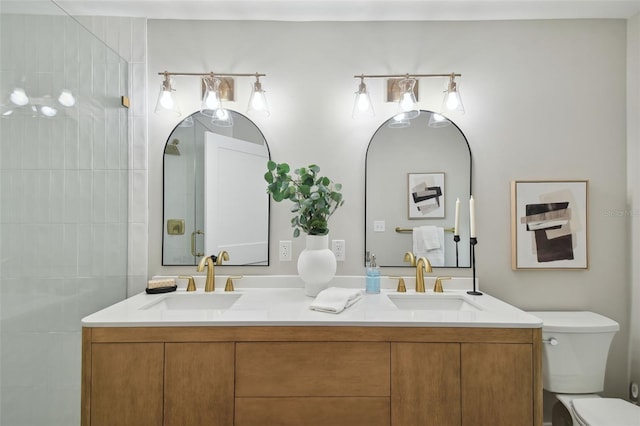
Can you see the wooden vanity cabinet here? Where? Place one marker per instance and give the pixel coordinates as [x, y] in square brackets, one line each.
[311, 376]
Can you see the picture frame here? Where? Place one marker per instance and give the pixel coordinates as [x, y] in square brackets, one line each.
[549, 224]
[425, 195]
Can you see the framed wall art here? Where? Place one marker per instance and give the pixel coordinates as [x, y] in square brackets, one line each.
[549, 224]
[426, 195]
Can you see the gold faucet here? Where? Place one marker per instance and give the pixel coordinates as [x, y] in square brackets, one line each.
[210, 262]
[437, 287]
[410, 257]
[422, 265]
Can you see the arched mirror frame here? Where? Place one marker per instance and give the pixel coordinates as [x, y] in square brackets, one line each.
[466, 243]
[236, 116]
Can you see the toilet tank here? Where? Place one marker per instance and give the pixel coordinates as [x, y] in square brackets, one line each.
[574, 351]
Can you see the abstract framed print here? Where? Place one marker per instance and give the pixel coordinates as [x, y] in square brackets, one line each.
[426, 195]
[549, 224]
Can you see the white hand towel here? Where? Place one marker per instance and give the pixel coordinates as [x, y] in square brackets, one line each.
[336, 299]
[425, 238]
[428, 241]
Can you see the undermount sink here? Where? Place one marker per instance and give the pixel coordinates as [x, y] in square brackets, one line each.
[194, 301]
[433, 302]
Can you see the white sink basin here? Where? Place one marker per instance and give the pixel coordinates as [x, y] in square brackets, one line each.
[193, 301]
[433, 302]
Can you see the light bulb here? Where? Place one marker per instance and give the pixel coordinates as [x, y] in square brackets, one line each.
[212, 101]
[257, 102]
[406, 103]
[19, 97]
[452, 101]
[222, 114]
[166, 100]
[66, 98]
[48, 111]
[363, 102]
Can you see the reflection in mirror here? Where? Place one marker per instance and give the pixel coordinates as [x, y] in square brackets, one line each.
[414, 174]
[214, 193]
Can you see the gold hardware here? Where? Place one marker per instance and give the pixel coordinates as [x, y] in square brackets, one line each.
[229, 285]
[399, 230]
[402, 288]
[175, 226]
[226, 89]
[210, 283]
[124, 101]
[223, 255]
[410, 257]
[193, 243]
[394, 92]
[422, 265]
[191, 286]
[437, 288]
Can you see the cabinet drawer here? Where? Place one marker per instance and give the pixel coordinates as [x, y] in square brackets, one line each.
[313, 369]
[346, 411]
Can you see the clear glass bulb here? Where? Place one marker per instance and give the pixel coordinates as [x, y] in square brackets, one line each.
[452, 101]
[166, 100]
[406, 103]
[66, 98]
[48, 111]
[212, 101]
[19, 97]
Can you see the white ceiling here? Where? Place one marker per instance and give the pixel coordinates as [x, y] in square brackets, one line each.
[354, 10]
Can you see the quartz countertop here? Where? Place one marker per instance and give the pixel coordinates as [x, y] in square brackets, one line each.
[281, 301]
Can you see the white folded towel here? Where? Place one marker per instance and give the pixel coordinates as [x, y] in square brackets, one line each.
[336, 299]
[428, 241]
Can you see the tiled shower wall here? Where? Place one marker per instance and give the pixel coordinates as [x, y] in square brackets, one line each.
[65, 206]
[128, 37]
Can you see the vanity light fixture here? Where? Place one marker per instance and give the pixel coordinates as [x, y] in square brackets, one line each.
[217, 87]
[362, 105]
[166, 102]
[258, 99]
[452, 100]
[403, 89]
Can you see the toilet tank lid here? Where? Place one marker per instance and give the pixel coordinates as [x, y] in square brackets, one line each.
[575, 322]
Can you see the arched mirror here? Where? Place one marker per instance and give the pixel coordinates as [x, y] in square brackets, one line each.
[415, 172]
[214, 192]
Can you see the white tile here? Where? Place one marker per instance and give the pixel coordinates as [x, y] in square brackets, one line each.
[139, 40]
[138, 237]
[99, 197]
[139, 146]
[112, 32]
[112, 142]
[99, 141]
[136, 284]
[138, 198]
[57, 196]
[125, 31]
[84, 194]
[138, 79]
[98, 26]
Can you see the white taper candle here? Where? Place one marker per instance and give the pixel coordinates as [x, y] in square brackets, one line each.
[456, 223]
[472, 217]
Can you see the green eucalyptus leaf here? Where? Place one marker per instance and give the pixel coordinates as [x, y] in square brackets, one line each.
[296, 233]
[314, 168]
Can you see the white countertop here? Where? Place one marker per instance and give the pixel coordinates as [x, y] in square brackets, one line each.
[281, 301]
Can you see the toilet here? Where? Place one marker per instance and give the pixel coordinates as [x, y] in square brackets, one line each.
[574, 357]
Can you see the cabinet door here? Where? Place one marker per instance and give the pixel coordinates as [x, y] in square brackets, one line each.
[425, 384]
[126, 384]
[199, 384]
[497, 382]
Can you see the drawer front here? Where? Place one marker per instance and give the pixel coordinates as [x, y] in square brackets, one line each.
[321, 411]
[312, 369]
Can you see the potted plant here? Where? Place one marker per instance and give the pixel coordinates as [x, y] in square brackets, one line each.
[315, 198]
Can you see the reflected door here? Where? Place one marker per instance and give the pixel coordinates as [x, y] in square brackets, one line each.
[236, 202]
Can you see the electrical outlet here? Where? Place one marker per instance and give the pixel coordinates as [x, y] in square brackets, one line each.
[285, 251]
[337, 246]
[378, 226]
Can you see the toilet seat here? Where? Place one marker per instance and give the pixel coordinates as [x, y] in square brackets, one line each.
[605, 412]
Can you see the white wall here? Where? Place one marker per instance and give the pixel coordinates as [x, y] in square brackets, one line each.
[544, 100]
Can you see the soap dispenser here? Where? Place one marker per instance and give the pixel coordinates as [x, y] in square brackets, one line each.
[373, 277]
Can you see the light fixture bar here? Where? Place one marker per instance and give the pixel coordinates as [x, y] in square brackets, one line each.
[201, 74]
[406, 75]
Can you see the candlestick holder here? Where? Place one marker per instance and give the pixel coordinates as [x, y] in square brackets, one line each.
[474, 241]
[456, 239]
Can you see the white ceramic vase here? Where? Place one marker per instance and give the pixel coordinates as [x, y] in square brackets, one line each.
[316, 264]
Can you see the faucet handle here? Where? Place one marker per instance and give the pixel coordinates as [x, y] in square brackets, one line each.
[402, 288]
[191, 286]
[229, 285]
[437, 288]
